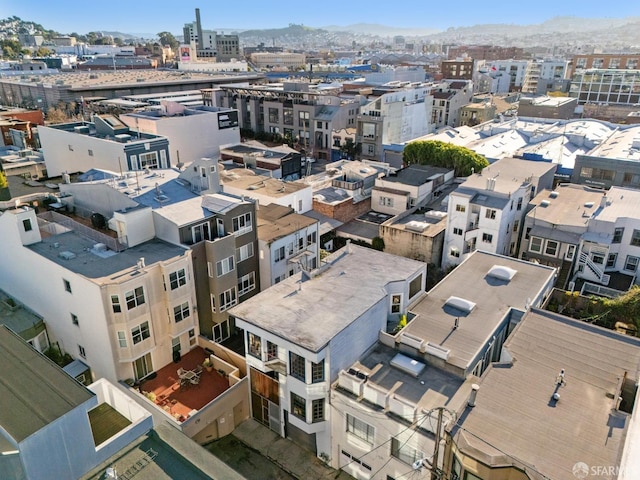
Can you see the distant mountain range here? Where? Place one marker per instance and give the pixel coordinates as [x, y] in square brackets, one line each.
[381, 30]
[567, 30]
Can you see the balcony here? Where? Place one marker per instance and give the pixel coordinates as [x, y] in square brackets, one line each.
[472, 232]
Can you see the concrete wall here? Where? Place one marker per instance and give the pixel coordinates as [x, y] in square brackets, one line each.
[69, 152]
[291, 200]
[66, 444]
[101, 198]
[414, 245]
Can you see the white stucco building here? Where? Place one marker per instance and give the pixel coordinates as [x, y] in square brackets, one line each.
[287, 244]
[409, 187]
[105, 143]
[300, 333]
[487, 210]
[193, 132]
[396, 116]
[123, 312]
[385, 406]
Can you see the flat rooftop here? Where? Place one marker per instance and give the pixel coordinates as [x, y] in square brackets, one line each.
[493, 299]
[433, 387]
[516, 420]
[102, 267]
[245, 179]
[428, 225]
[17, 316]
[416, 175]
[567, 205]
[35, 391]
[107, 79]
[621, 203]
[546, 101]
[311, 312]
[164, 453]
[509, 174]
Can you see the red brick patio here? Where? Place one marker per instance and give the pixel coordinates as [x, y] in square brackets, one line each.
[180, 401]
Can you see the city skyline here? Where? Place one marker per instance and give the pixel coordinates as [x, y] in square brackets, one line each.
[153, 17]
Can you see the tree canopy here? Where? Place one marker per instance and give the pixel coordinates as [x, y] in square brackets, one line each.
[166, 38]
[441, 154]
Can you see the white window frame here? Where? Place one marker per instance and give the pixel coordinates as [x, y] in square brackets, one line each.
[385, 201]
[244, 252]
[571, 251]
[546, 248]
[242, 224]
[246, 283]
[531, 249]
[395, 303]
[225, 266]
[148, 160]
[228, 299]
[122, 338]
[205, 232]
[633, 261]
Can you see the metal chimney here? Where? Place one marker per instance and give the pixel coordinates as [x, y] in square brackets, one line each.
[472, 397]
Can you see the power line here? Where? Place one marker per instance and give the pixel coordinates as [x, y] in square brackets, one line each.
[384, 443]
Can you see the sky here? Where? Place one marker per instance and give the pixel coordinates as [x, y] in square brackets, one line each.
[153, 16]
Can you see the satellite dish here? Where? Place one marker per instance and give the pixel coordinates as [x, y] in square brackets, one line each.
[417, 465]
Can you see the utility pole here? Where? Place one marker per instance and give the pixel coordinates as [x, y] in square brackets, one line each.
[435, 470]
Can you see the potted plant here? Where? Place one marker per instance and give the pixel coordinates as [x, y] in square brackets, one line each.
[151, 396]
[207, 364]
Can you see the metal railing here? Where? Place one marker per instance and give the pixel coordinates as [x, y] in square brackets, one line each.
[597, 271]
[592, 289]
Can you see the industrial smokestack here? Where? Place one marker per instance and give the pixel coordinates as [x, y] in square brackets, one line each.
[199, 30]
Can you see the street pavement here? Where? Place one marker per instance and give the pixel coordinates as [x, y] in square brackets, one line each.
[293, 461]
